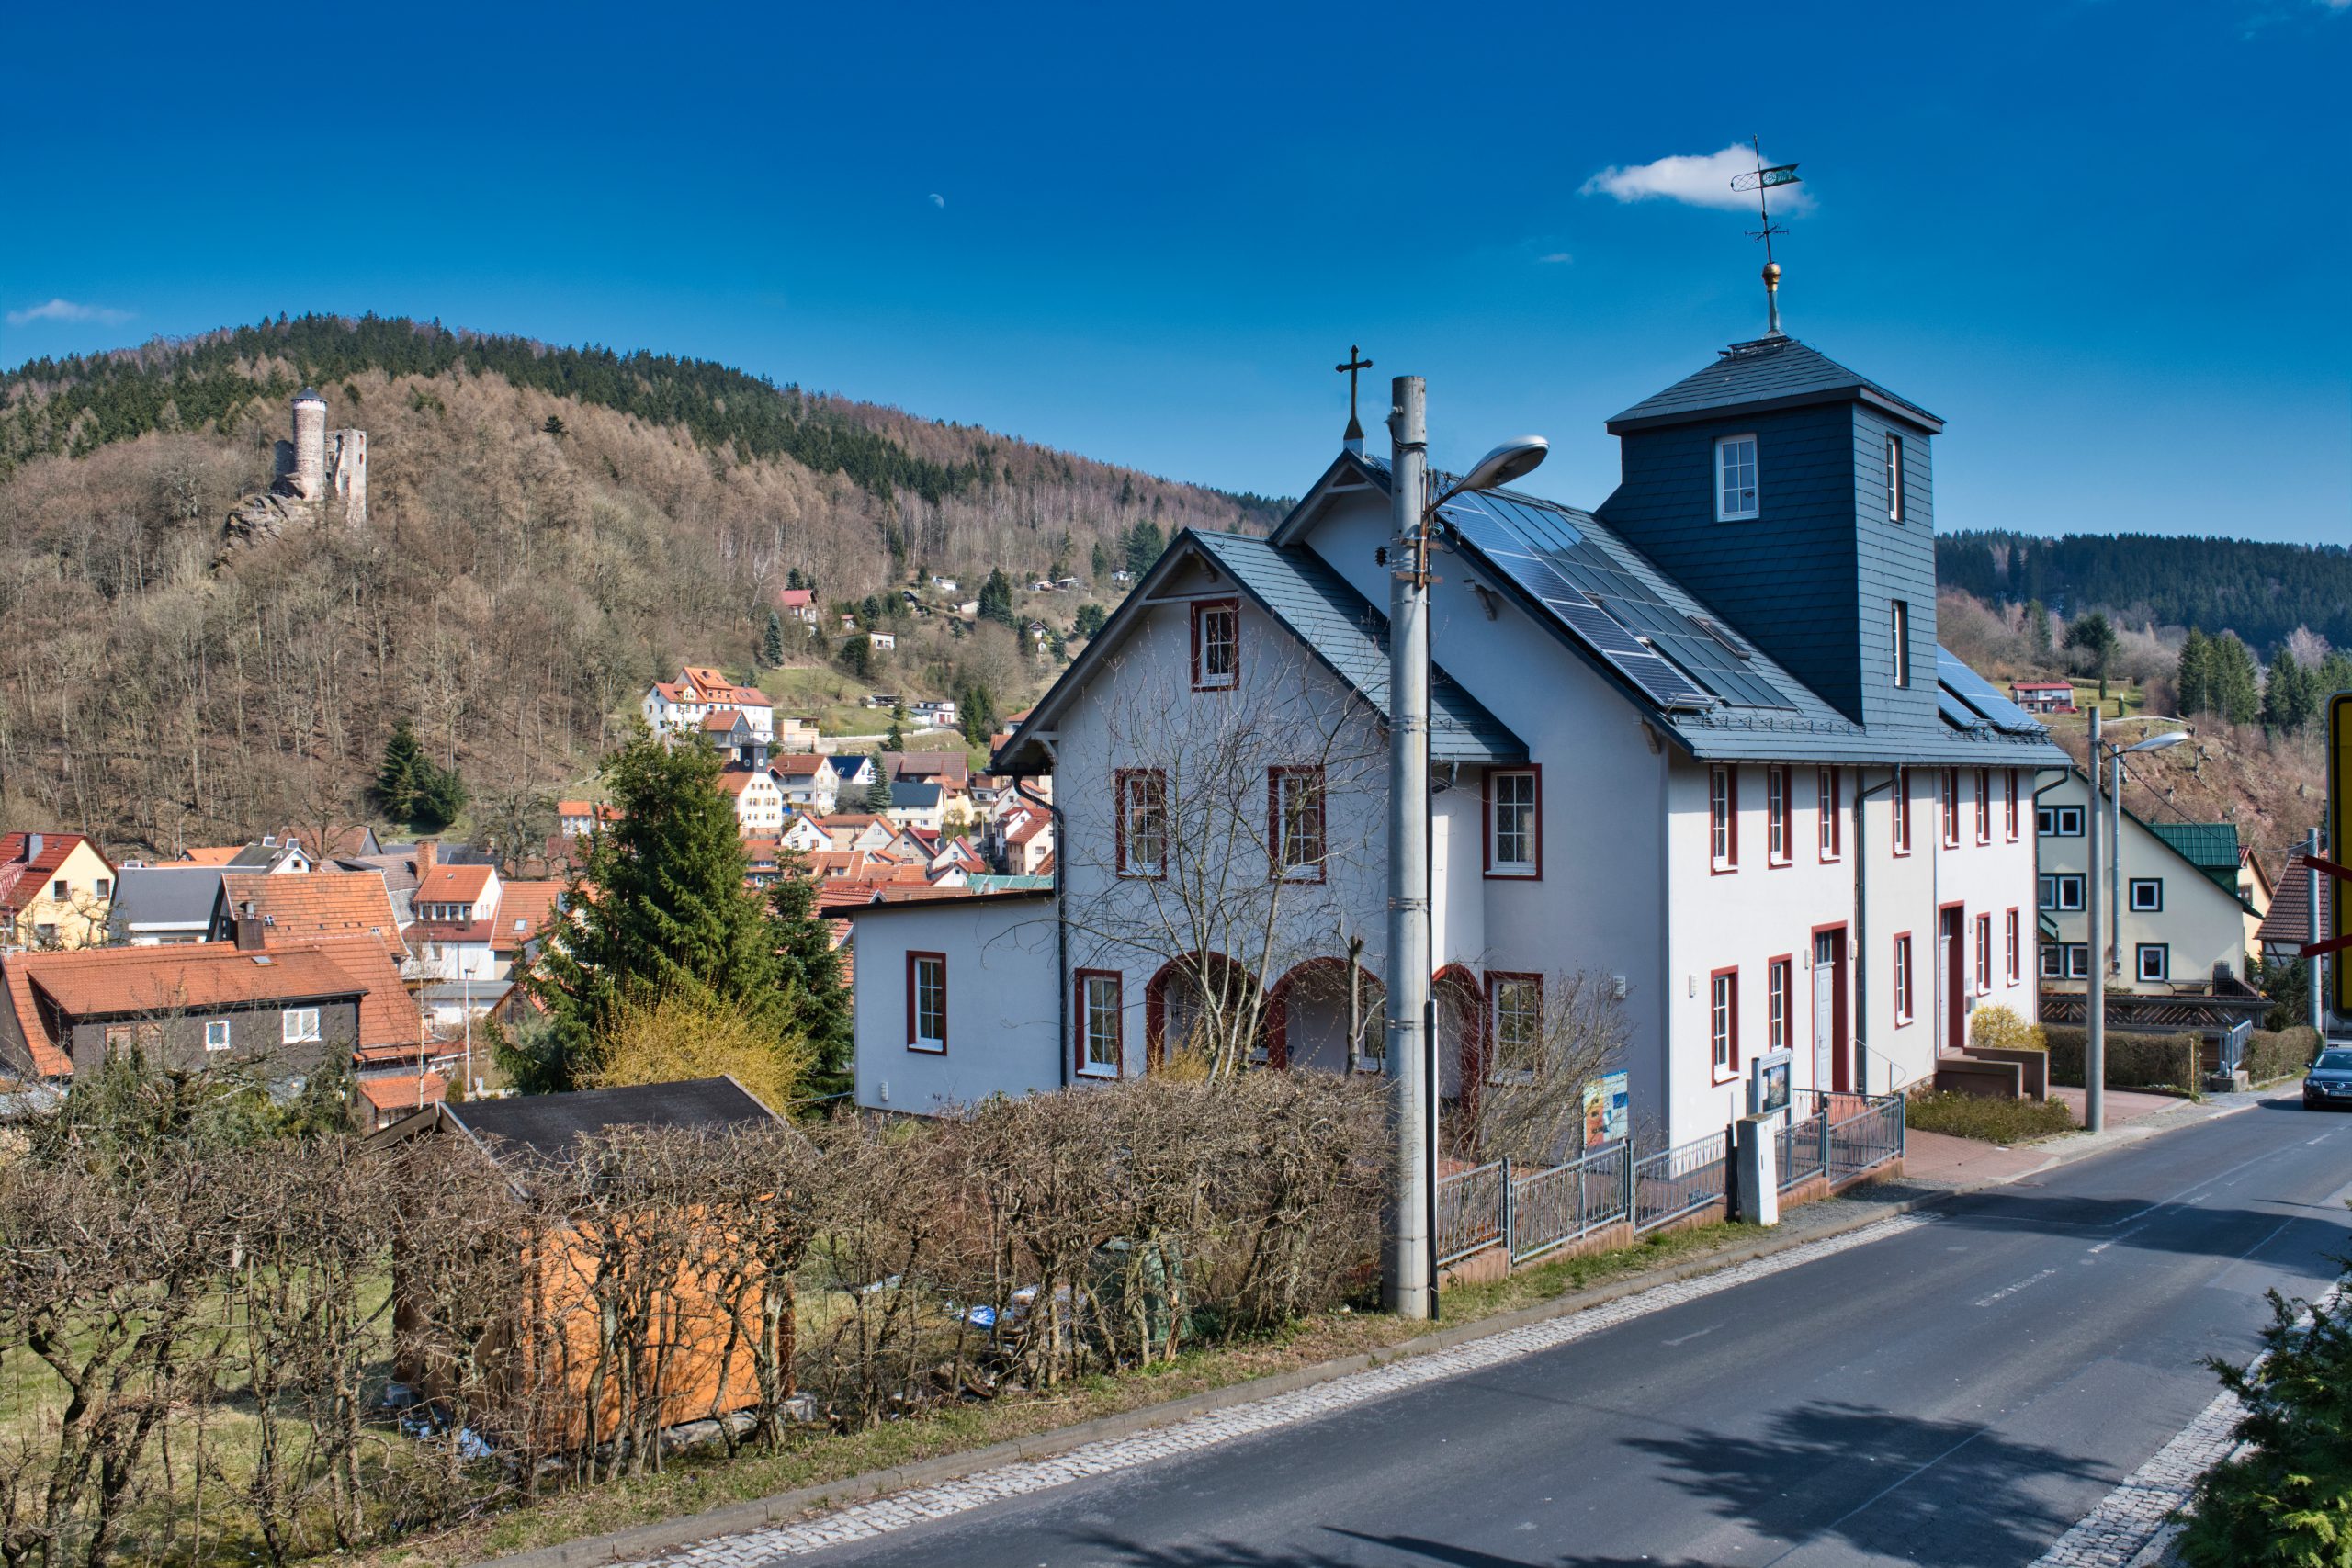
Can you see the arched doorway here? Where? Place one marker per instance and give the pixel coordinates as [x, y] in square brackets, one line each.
[1193, 1001]
[1326, 1016]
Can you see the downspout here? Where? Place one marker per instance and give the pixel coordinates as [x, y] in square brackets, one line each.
[1860, 956]
[1064, 1047]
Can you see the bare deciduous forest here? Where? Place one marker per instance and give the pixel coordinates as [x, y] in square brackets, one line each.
[548, 530]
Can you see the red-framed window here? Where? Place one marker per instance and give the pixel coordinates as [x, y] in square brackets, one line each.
[1216, 644]
[1983, 806]
[2010, 800]
[2012, 922]
[1778, 851]
[1903, 811]
[1099, 1050]
[1514, 803]
[1779, 987]
[1142, 800]
[1829, 791]
[1951, 807]
[1902, 978]
[927, 1003]
[1515, 1017]
[1723, 1023]
[1295, 823]
[1723, 818]
[1983, 952]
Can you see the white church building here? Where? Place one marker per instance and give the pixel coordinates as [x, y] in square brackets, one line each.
[1697, 747]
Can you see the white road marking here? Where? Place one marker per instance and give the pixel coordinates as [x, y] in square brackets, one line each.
[2007, 1291]
[1686, 1338]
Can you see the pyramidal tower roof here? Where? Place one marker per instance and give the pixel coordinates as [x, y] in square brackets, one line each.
[1768, 373]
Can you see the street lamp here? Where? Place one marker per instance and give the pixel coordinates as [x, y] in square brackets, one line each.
[2106, 956]
[1409, 1273]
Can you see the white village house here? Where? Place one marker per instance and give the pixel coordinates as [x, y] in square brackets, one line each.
[1697, 748]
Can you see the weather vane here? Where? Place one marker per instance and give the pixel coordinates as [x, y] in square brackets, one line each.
[1763, 180]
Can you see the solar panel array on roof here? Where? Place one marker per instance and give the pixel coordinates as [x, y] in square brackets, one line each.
[1978, 694]
[1956, 713]
[1677, 661]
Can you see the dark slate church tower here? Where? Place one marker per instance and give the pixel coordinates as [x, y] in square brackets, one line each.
[1792, 496]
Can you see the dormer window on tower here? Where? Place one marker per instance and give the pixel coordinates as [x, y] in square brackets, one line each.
[1894, 478]
[1734, 478]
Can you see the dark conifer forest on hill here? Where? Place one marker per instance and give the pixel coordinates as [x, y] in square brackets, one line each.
[2260, 590]
[548, 530]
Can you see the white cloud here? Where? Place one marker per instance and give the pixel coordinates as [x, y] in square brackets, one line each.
[1698, 181]
[937, 200]
[66, 311]
[1556, 258]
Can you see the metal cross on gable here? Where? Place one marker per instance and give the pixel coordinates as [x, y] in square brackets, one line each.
[1357, 364]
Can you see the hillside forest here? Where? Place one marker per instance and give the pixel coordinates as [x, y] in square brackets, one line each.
[548, 530]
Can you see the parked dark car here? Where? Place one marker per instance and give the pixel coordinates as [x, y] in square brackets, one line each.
[2329, 1082]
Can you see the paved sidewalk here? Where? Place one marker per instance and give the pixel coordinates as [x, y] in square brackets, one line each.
[1939, 1160]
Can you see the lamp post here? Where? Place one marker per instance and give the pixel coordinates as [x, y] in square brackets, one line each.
[1409, 1272]
[2106, 956]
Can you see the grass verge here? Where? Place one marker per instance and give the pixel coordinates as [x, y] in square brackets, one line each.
[698, 1484]
[1987, 1119]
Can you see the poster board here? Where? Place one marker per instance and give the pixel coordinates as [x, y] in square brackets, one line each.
[1608, 1114]
[1768, 1082]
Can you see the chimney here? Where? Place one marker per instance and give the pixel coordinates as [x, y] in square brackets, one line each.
[248, 929]
[428, 854]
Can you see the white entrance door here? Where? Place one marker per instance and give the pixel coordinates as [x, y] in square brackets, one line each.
[1825, 1008]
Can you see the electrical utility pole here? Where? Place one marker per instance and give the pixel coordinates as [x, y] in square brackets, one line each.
[1406, 1288]
[2094, 978]
[2318, 934]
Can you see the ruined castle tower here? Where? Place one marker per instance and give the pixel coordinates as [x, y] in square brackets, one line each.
[309, 445]
[348, 472]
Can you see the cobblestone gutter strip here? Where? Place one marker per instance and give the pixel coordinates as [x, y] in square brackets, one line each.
[888, 1500]
[2133, 1526]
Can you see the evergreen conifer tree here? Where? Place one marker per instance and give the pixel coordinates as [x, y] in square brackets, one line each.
[2097, 639]
[440, 795]
[1144, 543]
[2193, 682]
[661, 909]
[810, 972]
[2287, 696]
[1100, 562]
[396, 780]
[857, 656]
[772, 642]
[2037, 630]
[2237, 691]
[877, 794]
[996, 598]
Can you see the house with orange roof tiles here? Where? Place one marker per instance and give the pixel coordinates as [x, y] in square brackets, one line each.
[56, 891]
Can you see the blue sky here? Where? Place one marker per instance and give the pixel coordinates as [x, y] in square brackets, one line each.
[2106, 241]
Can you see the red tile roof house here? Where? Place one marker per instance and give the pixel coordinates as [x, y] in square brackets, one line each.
[286, 1008]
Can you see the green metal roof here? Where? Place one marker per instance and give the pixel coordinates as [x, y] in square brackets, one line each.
[2212, 845]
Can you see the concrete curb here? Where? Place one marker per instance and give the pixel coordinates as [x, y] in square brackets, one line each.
[668, 1535]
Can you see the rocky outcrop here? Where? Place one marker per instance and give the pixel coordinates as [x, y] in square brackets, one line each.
[259, 519]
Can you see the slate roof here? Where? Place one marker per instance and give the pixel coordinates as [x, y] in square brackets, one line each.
[165, 896]
[546, 1127]
[1772, 372]
[1338, 625]
[914, 795]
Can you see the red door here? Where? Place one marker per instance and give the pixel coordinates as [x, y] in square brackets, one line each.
[1952, 974]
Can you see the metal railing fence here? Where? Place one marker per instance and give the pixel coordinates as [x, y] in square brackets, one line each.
[1865, 1140]
[1680, 1181]
[1471, 1210]
[1552, 1208]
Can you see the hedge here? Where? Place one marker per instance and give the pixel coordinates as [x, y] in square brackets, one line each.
[2281, 1053]
[2133, 1060]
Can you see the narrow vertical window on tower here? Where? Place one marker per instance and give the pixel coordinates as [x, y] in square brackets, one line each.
[1901, 629]
[1734, 478]
[1894, 478]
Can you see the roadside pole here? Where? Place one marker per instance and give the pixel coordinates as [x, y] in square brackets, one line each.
[2094, 981]
[1405, 1275]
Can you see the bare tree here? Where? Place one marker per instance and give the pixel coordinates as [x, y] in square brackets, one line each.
[1242, 841]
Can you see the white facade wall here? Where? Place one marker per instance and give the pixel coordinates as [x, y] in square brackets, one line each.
[1983, 877]
[2199, 924]
[1294, 712]
[1003, 1017]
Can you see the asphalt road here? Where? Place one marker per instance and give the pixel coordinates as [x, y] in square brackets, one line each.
[1956, 1395]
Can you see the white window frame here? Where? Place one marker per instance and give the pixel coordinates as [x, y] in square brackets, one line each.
[1296, 794]
[1723, 818]
[2162, 951]
[1521, 998]
[1728, 462]
[936, 1045]
[1526, 829]
[299, 1026]
[1205, 612]
[2150, 885]
[1899, 631]
[1893, 478]
[1780, 984]
[1777, 850]
[1722, 1022]
[2051, 890]
[2058, 817]
[1091, 1014]
[1902, 978]
[216, 1034]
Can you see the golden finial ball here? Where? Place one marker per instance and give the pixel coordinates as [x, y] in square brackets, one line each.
[1771, 275]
